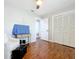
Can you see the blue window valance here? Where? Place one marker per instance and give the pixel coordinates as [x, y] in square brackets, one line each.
[20, 29]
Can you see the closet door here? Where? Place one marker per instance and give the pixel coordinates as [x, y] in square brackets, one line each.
[66, 30]
[63, 30]
[69, 30]
[58, 32]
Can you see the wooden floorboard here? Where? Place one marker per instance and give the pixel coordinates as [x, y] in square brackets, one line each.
[46, 50]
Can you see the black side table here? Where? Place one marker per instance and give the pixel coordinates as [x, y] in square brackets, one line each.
[19, 52]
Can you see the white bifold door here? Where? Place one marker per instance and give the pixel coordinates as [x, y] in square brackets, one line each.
[64, 28]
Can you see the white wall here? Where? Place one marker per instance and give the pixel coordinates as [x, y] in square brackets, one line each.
[64, 28]
[16, 16]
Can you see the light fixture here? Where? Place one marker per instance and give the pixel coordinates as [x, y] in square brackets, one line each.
[38, 3]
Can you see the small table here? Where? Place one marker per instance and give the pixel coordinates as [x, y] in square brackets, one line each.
[19, 52]
[23, 36]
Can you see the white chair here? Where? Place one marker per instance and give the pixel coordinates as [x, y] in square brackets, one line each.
[9, 44]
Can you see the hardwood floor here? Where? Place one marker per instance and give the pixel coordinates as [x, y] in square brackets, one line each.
[47, 50]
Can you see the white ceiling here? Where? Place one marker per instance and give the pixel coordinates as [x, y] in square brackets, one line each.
[48, 6]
